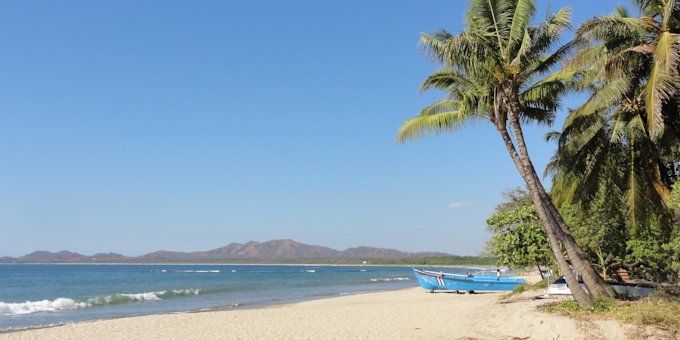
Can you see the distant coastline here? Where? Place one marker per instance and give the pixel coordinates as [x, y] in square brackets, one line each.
[275, 252]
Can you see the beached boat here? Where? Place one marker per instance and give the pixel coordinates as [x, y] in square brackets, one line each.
[626, 289]
[472, 282]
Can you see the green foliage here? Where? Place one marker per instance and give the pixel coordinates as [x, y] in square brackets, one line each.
[661, 259]
[568, 307]
[518, 240]
[673, 248]
[574, 309]
[600, 231]
[675, 197]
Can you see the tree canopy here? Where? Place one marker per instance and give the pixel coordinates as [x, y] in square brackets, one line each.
[518, 239]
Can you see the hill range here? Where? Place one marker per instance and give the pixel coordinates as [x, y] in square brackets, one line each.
[275, 251]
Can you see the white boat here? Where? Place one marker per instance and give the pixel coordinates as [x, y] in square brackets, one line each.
[559, 287]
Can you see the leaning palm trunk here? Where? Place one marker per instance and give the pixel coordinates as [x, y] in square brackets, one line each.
[548, 224]
[596, 286]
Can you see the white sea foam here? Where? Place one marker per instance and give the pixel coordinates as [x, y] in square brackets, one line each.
[141, 297]
[389, 279]
[183, 292]
[60, 304]
[151, 296]
[198, 271]
[29, 307]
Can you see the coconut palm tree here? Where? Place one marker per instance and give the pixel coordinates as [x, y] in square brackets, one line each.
[620, 53]
[644, 49]
[627, 131]
[495, 71]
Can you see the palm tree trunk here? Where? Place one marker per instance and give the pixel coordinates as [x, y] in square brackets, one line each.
[599, 289]
[596, 286]
[549, 226]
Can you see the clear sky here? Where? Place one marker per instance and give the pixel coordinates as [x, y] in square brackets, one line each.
[133, 126]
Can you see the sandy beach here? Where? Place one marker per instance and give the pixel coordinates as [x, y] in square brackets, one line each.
[403, 314]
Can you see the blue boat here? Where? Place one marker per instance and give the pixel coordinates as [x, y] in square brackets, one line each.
[472, 282]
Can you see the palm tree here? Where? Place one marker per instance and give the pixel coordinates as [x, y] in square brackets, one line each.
[626, 132]
[620, 54]
[493, 71]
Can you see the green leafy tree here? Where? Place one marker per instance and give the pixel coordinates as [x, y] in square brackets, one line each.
[659, 260]
[495, 70]
[518, 238]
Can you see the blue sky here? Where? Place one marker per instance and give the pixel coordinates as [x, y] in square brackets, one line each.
[133, 126]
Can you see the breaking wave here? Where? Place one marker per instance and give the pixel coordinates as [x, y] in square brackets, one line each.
[30, 307]
[62, 304]
[140, 297]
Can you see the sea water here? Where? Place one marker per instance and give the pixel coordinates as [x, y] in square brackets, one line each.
[42, 295]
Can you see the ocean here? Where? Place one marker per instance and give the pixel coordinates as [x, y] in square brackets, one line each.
[51, 294]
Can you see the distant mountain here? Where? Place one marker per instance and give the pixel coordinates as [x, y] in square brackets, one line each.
[371, 252]
[276, 249]
[63, 257]
[107, 256]
[272, 251]
[46, 256]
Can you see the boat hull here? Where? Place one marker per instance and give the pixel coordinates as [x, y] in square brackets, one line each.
[444, 281]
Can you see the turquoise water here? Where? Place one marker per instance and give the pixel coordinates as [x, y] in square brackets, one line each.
[40, 295]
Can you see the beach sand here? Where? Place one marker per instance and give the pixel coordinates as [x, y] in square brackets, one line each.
[403, 314]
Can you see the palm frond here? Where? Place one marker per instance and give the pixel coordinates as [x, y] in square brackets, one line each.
[610, 93]
[545, 64]
[524, 11]
[608, 28]
[621, 11]
[524, 48]
[667, 13]
[434, 46]
[447, 80]
[433, 124]
[660, 85]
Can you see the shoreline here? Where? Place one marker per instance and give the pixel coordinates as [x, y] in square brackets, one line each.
[237, 307]
[233, 307]
[403, 313]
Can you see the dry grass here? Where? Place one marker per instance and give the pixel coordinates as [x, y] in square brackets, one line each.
[525, 287]
[661, 312]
